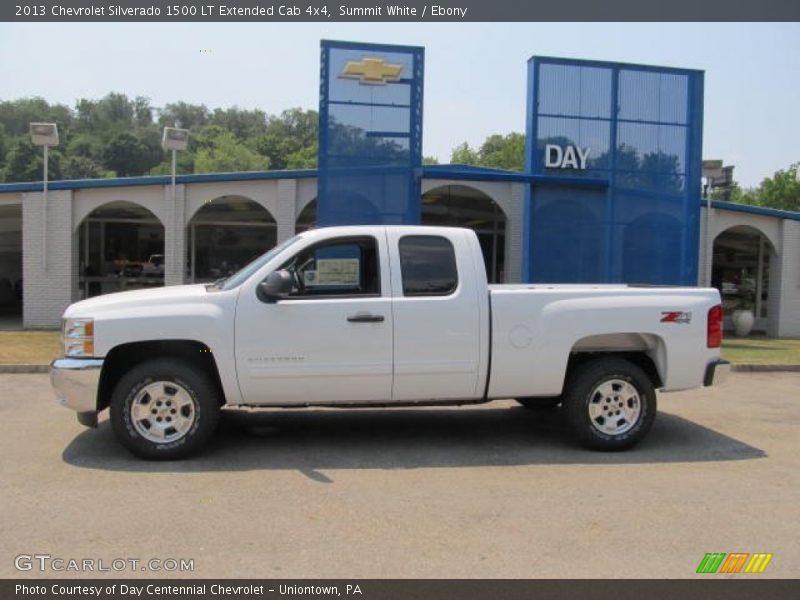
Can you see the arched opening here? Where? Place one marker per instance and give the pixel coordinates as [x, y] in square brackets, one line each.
[226, 234]
[307, 219]
[740, 270]
[10, 266]
[120, 247]
[463, 206]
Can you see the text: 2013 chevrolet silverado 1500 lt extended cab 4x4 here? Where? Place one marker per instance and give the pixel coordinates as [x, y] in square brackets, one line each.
[381, 316]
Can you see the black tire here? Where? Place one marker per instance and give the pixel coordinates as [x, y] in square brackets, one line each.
[204, 410]
[584, 387]
[545, 403]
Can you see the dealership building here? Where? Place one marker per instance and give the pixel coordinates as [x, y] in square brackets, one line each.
[610, 193]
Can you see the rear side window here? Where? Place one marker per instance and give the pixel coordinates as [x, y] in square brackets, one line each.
[427, 265]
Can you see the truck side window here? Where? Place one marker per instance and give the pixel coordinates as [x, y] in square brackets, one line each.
[427, 265]
[343, 267]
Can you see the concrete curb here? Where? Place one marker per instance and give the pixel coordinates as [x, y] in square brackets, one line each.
[742, 368]
[24, 369]
[745, 368]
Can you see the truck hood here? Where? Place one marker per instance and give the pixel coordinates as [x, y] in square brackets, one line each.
[138, 299]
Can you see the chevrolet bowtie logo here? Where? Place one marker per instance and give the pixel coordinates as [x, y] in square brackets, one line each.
[372, 71]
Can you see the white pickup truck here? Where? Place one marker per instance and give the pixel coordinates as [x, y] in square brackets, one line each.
[381, 316]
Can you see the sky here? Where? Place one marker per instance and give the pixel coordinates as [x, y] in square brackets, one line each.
[475, 76]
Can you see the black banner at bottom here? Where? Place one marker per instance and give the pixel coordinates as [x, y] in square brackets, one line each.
[397, 589]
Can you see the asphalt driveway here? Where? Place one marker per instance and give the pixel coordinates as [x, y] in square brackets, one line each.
[487, 491]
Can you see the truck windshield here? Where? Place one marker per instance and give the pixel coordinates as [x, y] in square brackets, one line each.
[245, 272]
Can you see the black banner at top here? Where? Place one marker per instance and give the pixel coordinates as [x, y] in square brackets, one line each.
[437, 11]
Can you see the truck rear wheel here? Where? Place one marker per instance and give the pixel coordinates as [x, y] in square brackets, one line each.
[610, 404]
[164, 410]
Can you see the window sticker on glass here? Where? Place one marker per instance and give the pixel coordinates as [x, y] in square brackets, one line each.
[337, 271]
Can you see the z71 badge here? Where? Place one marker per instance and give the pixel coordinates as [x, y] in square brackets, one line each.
[676, 317]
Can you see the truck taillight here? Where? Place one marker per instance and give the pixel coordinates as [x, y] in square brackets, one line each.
[714, 337]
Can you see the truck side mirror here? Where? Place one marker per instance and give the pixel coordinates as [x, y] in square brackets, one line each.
[276, 286]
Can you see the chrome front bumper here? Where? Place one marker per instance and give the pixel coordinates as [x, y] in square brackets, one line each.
[717, 372]
[75, 381]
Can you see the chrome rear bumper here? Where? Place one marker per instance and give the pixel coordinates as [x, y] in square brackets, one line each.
[75, 381]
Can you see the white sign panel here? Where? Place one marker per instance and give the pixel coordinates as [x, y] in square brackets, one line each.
[334, 271]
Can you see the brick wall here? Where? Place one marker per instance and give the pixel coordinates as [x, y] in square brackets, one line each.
[48, 271]
[788, 304]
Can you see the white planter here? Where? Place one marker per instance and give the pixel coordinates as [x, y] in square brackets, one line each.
[743, 321]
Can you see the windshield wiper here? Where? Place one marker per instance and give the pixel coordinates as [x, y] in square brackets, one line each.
[217, 283]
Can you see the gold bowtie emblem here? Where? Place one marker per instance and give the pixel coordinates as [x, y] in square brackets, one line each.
[372, 71]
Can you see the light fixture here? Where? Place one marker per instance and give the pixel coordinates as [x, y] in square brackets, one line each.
[44, 134]
[175, 138]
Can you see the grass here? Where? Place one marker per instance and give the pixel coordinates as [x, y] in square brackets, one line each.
[761, 351]
[41, 347]
[29, 347]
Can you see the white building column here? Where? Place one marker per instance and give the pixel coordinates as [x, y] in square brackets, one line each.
[174, 235]
[514, 226]
[285, 214]
[785, 322]
[48, 258]
[705, 253]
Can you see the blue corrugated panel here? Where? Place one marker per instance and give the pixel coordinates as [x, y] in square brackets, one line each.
[642, 129]
[370, 145]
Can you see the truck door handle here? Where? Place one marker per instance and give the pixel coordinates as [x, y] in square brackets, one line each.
[365, 318]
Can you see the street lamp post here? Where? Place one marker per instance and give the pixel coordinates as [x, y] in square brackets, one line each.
[174, 139]
[45, 135]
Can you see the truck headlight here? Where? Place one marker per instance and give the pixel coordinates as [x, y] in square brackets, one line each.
[78, 337]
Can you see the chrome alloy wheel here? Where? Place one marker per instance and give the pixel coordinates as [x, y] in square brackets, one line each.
[614, 407]
[162, 412]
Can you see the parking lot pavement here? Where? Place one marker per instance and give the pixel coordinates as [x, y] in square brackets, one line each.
[487, 491]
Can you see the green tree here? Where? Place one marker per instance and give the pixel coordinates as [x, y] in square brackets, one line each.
[117, 135]
[781, 191]
[115, 110]
[113, 114]
[3, 147]
[464, 155]
[290, 139]
[142, 111]
[223, 152]
[503, 152]
[24, 162]
[127, 154]
[85, 145]
[16, 115]
[187, 116]
[303, 158]
[497, 151]
[735, 194]
[244, 124]
[81, 167]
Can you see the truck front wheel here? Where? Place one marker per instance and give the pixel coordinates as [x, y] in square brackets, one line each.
[164, 410]
[610, 404]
